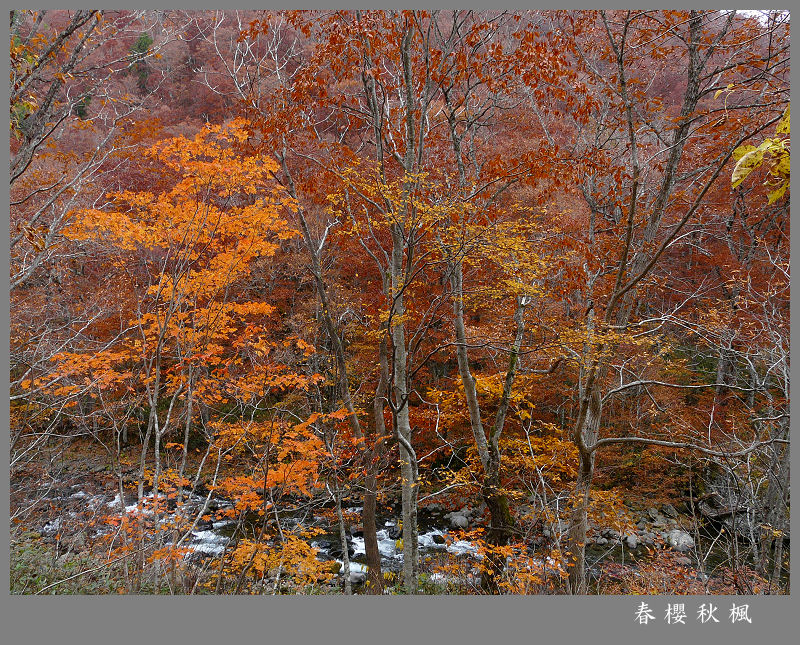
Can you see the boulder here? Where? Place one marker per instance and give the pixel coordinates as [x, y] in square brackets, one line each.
[680, 540]
[611, 534]
[438, 539]
[458, 520]
[631, 541]
[669, 510]
[601, 541]
[336, 549]
[653, 513]
[357, 577]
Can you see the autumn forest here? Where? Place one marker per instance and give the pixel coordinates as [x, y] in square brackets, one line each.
[399, 302]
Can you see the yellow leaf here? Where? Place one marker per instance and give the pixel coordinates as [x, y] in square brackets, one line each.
[749, 162]
[783, 125]
[775, 195]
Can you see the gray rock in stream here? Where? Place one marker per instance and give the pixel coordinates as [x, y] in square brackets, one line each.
[611, 534]
[357, 577]
[680, 540]
[669, 510]
[458, 520]
[631, 542]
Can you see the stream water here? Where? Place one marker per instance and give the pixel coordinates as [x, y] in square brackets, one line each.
[210, 538]
[74, 504]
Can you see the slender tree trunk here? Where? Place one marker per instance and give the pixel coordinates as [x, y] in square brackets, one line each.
[348, 587]
[586, 436]
[467, 379]
[408, 464]
[501, 521]
[500, 528]
[370, 484]
[576, 541]
[373, 455]
[401, 416]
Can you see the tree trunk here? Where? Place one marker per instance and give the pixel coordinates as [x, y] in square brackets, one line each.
[501, 520]
[373, 455]
[499, 534]
[576, 541]
[348, 588]
[586, 433]
[402, 419]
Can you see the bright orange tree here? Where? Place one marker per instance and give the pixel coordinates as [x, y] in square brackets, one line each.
[197, 347]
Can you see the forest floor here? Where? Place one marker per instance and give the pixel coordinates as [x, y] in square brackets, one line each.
[67, 536]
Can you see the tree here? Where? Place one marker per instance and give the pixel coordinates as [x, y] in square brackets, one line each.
[643, 210]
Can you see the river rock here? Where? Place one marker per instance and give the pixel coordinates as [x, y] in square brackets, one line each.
[357, 577]
[458, 520]
[631, 542]
[336, 549]
[601, 541]
[358, 573]
[680, 540]
[683, 560]
[438, 539]
[611, 534]
[641, 524]
[669, 510]
[653, 513]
